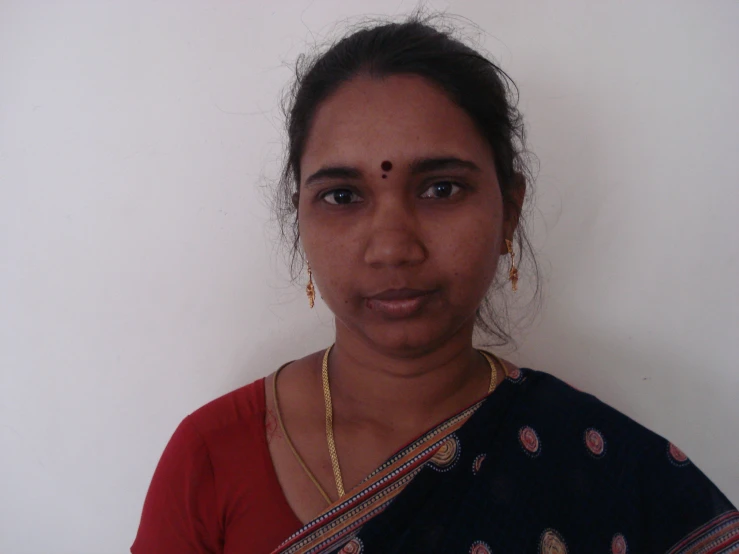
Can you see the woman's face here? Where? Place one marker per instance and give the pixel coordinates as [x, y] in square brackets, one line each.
[400, 212]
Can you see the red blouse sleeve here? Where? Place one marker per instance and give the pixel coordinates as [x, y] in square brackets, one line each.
[180, 513]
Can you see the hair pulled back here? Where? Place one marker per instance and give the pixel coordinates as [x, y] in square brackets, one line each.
[476, 84]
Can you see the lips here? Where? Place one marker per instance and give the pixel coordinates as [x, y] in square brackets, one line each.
[399, 303]
[399, 294]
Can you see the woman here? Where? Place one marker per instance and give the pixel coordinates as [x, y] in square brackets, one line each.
[406, 172]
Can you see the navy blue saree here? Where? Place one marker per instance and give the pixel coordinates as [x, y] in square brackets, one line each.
[538, 468]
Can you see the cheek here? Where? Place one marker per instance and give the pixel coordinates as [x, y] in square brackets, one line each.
[469, 253]
[329, 254]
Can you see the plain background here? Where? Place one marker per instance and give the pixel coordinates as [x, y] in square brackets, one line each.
[140, 277]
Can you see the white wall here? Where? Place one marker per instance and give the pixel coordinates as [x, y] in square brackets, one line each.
[138, 279]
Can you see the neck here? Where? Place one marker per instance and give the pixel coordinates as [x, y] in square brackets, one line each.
[404, 391]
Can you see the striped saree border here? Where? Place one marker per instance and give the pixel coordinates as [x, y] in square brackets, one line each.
[348, 525]
[718, 536]
[343, 519]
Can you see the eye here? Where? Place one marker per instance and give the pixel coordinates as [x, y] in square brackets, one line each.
[340, 196]
[441, 189]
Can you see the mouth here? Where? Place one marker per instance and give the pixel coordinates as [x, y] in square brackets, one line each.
[399, 303]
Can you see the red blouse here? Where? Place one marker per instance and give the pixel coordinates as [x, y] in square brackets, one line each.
[215, 489]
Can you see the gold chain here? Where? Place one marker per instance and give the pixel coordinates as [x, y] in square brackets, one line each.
[490, 358]
[330, 426]
[298, 457]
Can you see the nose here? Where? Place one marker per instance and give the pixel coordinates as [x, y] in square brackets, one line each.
[394, 239]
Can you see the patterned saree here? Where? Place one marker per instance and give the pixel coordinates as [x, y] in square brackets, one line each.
[536, 467]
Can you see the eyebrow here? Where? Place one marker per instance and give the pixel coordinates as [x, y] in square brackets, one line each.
[417, 166]
[427, 165]
[333, 172]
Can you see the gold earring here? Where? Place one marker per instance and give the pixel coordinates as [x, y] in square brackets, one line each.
[310, 290]
[512, 272]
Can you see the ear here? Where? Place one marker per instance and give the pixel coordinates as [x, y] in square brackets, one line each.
[296, 199]
[512, 207]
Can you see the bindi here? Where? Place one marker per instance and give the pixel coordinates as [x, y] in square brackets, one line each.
[386, 166]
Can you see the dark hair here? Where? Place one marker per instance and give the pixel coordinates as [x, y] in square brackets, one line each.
[415, 46]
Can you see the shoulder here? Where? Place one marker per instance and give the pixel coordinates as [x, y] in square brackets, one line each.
[578, 427]
[234, 412]
[567, 444]
[203, 468]
[552, 394]
[582, 433]
[217, 433]
[571, 411]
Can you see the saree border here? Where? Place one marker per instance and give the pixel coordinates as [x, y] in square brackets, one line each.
[719, 535]
[342, 520]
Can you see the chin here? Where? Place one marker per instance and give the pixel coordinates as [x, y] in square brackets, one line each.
[406, 338]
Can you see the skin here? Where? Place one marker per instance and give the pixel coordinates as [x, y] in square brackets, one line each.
[439, 230]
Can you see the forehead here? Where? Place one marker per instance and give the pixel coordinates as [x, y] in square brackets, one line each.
[398, 118]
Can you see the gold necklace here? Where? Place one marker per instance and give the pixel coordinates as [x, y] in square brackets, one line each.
[491, 359]
[294, 450]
